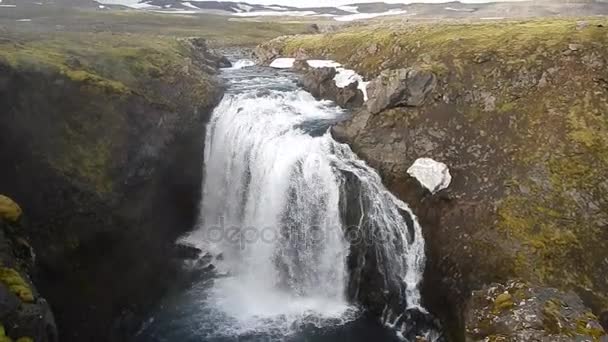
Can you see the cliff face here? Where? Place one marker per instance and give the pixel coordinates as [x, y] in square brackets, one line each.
[519, 114]
[101, 141]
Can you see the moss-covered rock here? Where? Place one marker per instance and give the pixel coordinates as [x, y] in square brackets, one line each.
[532, 314]
[9, 210]
[16, 284]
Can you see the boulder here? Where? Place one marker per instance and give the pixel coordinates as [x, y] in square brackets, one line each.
[402, 87]
[9, 210]
[320, 83]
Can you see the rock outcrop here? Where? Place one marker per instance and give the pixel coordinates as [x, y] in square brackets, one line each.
[103, 152]
[402, 87]
[320, 83]
[519, 312]
[519, 118]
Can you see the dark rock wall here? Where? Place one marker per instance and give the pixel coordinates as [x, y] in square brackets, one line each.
[109, 178]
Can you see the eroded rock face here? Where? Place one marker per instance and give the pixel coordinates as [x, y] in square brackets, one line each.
[401, 87]
[320, 83]
[519, 312]
[23, 311]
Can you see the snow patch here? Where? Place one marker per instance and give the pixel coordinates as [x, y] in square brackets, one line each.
[8, 6]
[344, 77]
[351, 9]
[361, 16]
[24, 20]
[189, 4]
[458, 9]
[129, 3]
[433, 175]
[276, 8]
[275, 14]
[101, 6]
[283, 63]
[244, 7]
[176, 12]
[492, 18]
[321, 63]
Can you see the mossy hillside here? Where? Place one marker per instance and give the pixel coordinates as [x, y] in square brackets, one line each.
[108, 71]
[442, 46]
[530, 100]
[218, 29]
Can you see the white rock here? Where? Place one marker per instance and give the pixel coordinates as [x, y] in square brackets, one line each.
[433, 175]
[283, 63]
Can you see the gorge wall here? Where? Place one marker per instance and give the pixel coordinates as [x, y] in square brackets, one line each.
[518, 111]
[101, 140]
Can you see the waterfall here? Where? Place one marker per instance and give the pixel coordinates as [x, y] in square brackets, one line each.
[295, 216]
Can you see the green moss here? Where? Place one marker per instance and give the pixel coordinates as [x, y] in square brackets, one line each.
[503, 301]
[9, 210]
[552, 317]
[583, 327]
[24, 339]
[16, 284]
[447, 43]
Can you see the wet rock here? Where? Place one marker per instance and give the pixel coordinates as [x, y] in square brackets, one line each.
[185, 251]
[8, 301]
[32, 320]
[401, 87]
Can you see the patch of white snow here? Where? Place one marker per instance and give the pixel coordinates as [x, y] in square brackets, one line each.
[361, 16]
[275, 14]
[283, 63]
[189, 4]
[433, 175]
[347, 8]
[176, 12]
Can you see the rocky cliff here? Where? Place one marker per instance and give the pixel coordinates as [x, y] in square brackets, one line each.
[518, 111]
[101, 145]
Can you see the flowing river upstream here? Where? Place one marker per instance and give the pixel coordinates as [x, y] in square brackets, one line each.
[297, 227]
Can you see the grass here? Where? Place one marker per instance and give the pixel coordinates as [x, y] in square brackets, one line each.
[399, 45]
[49, 21]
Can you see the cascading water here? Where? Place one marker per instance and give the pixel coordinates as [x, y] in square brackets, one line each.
[278, 201]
